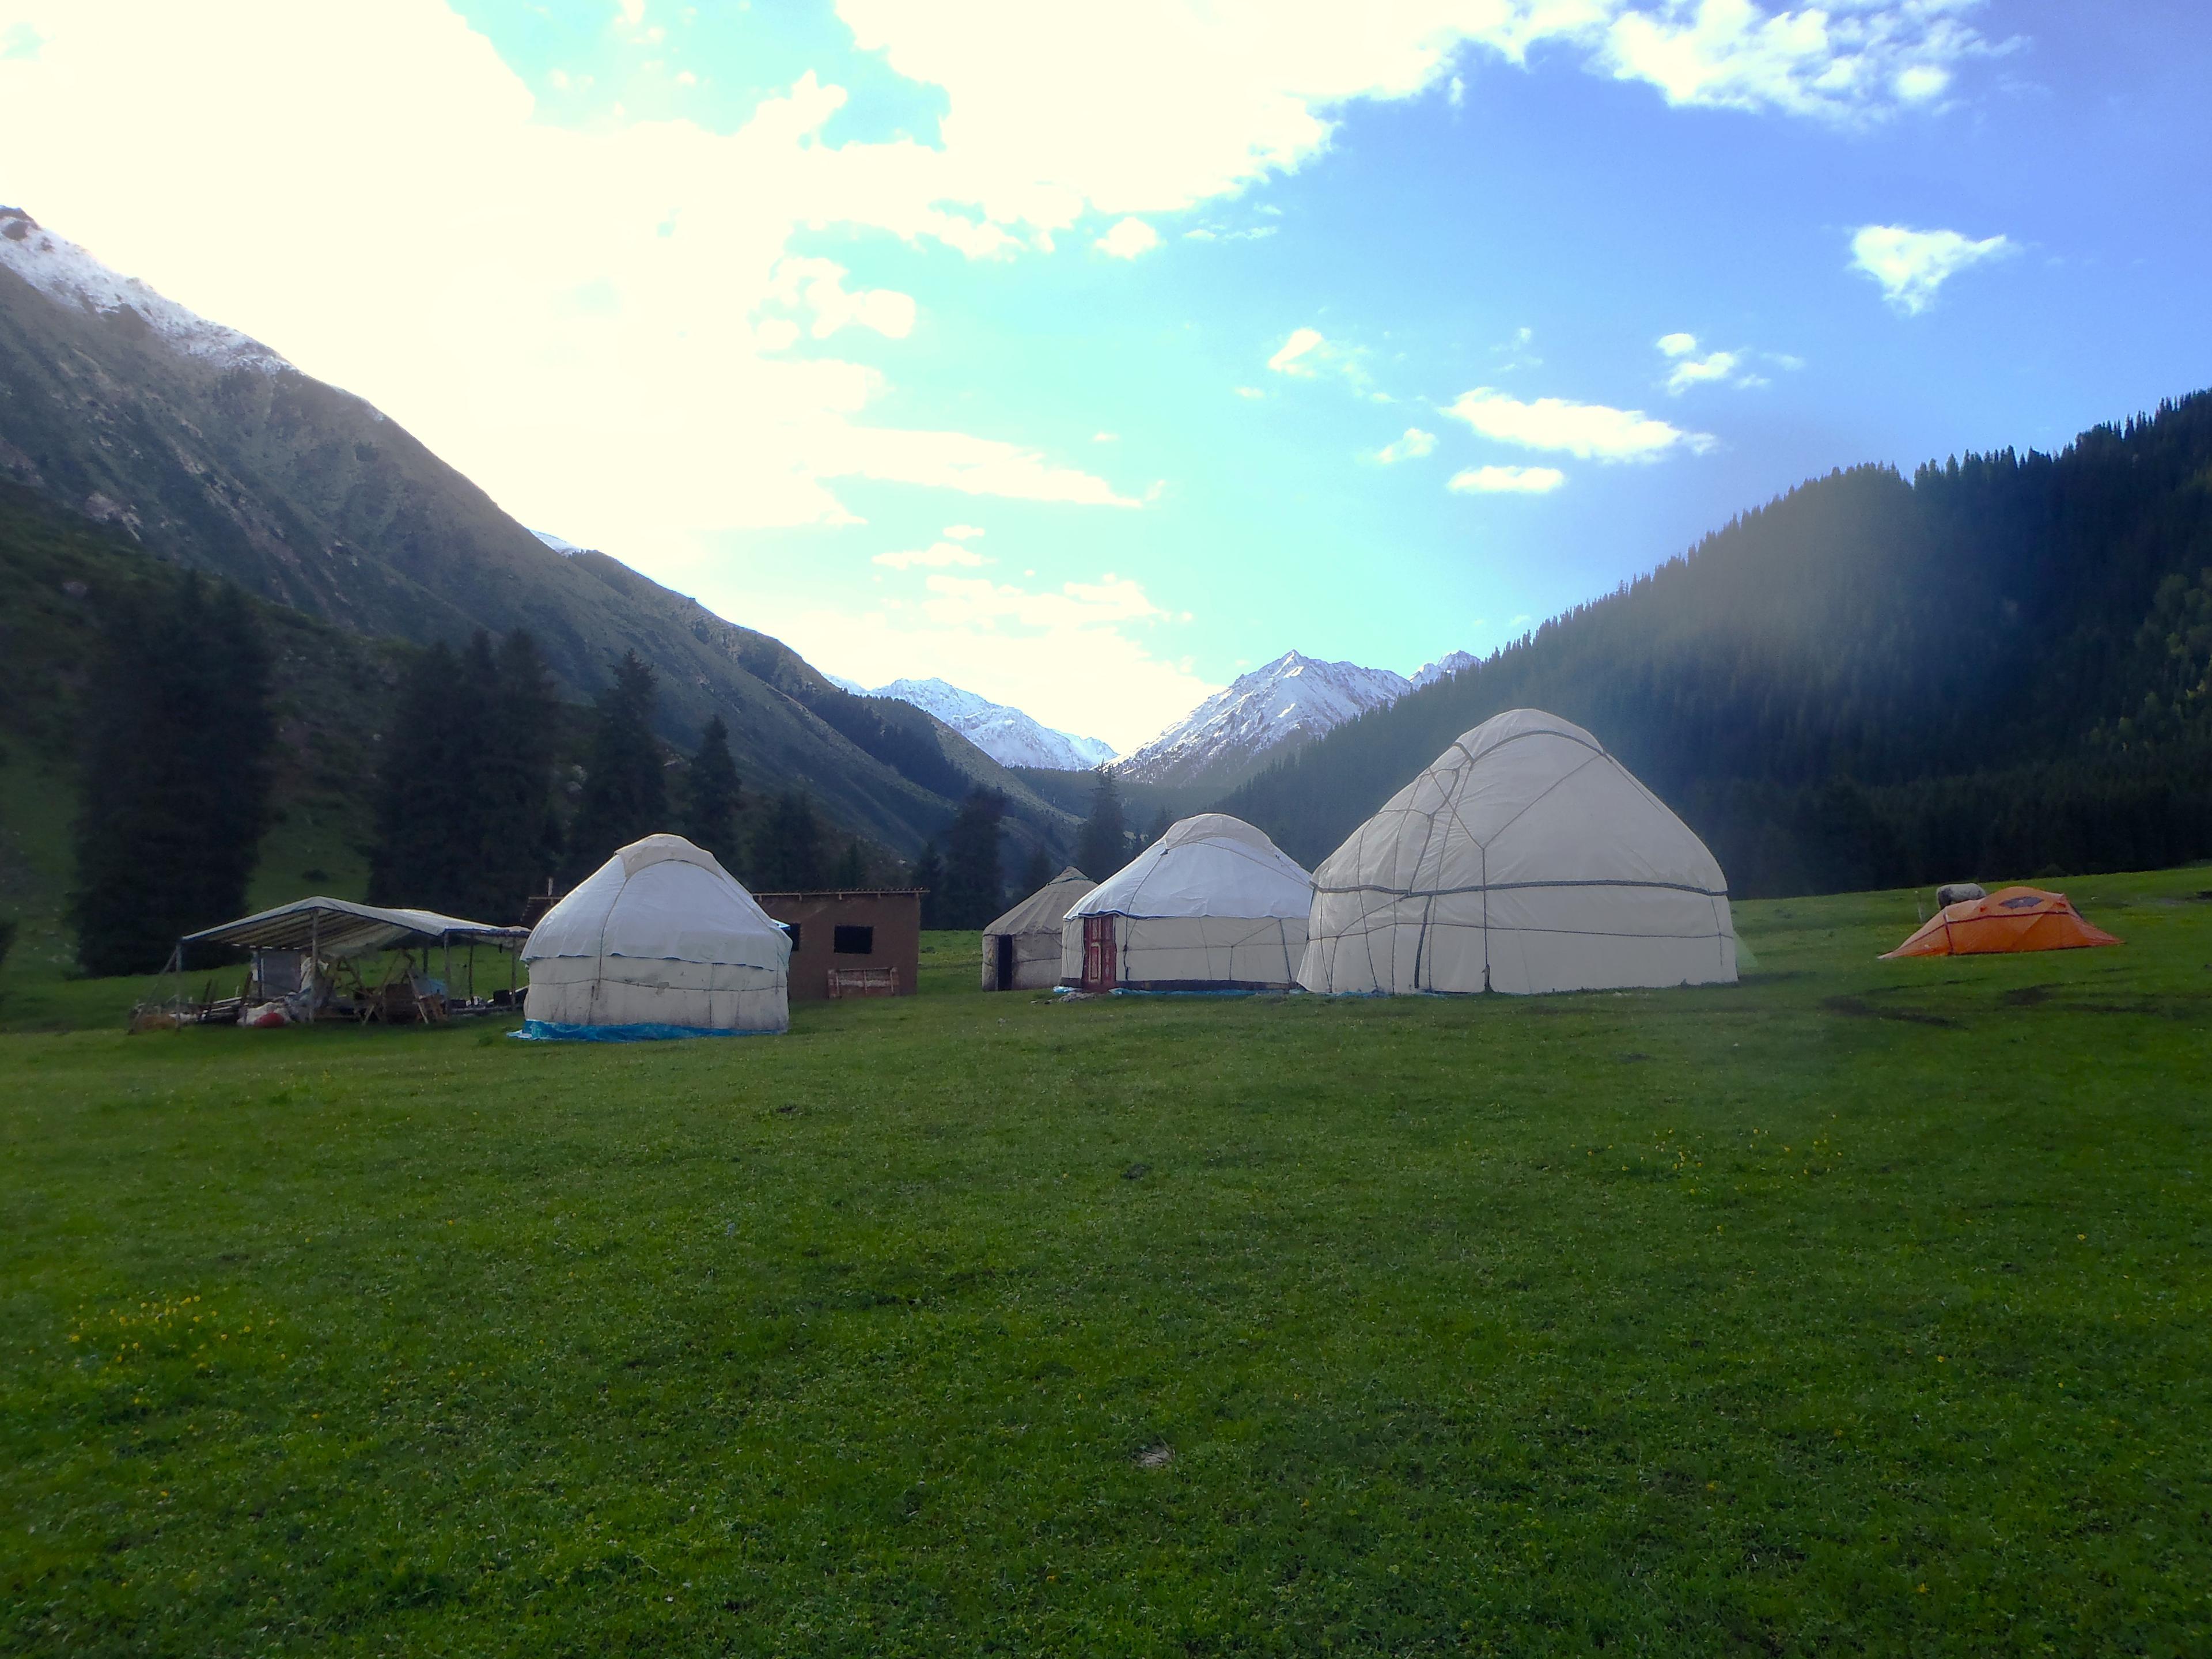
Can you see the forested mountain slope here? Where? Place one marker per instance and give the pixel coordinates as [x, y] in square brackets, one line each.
[1998, 667]
[233, 462]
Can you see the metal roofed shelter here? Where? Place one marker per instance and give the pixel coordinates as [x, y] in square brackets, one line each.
[296, 948]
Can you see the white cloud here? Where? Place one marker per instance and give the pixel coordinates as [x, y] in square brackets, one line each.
[1911, 264]
[1128, 238]
[1014, 645]
[1846, 61]
[1250, 393]
[1690, 369]
[959, 460]
[1296, 354]
[1506, 481]
[1587, 431]
[937, 557]
[818, 285]
[962, 532]
[1414, 445]
[1105, 437]
[1308, 354]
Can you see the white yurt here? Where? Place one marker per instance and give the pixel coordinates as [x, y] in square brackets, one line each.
[659, 941]
[1526, 858]
[1021, 949]
[1212, 905]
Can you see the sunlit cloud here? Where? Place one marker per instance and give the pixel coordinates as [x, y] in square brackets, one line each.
[1413, 446]
[1910, 265]
[1590, 432]
[1128, 238]
[1506, 481]
[936, 555]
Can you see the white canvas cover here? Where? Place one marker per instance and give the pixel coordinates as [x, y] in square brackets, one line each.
[1526, 858]
[1034, 926]
[1213, 902]
[660, 934]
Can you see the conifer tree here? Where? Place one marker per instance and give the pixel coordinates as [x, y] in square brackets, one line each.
[852, 868]
[788, 847]
[929, 876]
[973, 893]
[177, 730]
[425, 848]
[625, 789]
[1103, 845]
[521, 845]
[1037, 872]
[711, 794]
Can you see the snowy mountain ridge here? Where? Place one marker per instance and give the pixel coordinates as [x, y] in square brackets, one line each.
[1006, 735]
[1295, 698]
[62, 271]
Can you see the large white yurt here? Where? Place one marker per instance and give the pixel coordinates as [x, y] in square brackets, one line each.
[1526, 858]
[659, 941]
[1212, 905]
[1021, 949]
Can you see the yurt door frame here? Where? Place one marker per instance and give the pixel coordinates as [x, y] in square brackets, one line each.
[1098, 953]
[1005, 963]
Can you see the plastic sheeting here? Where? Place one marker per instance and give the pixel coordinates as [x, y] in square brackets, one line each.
[1213, 902]
[1526, 858]
[545, 1030]
[661, 935]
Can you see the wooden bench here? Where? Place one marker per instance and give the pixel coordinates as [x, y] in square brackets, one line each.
[863, 983]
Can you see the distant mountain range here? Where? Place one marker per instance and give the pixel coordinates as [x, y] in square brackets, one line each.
[1268, 713]
[207, 448]
[1006, 735]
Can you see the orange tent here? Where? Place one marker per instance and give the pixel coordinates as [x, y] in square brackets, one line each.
[2010, 919]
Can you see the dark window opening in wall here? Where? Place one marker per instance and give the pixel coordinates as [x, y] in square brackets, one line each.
[853, 942]
[792, 928]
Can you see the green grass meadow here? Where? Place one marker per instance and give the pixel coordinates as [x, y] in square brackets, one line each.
[1859, 1308]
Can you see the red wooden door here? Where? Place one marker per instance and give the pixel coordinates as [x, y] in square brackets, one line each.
[1098, 953]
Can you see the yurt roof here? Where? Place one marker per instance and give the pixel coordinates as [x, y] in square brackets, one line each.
[1524, 798]
[339, 927]
[1211, 865]
[661, 899]
[1043, 911]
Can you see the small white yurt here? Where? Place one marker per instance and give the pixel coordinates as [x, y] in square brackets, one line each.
[659, 941]
[1526, 858]
[1021, 949]
[1212, 905]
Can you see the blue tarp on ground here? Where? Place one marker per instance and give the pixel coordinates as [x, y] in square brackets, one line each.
[546, 1031]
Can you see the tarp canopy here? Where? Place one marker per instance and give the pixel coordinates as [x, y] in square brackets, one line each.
[1043, 911]
[2010, 919]
[661, 935]
[1211, 865]
[338, 927]
[1526, 858]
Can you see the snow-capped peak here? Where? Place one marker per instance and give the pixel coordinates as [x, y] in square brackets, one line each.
[1294, 698]
[1006, 735]
[66, 274]
[1443, 669]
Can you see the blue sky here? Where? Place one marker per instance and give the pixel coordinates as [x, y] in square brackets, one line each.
[1086, 355]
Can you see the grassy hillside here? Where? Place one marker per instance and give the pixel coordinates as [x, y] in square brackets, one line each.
[1861, 1308]
[2003, 663]
[307, 495]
